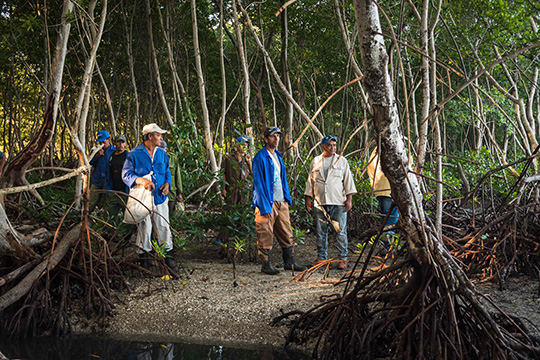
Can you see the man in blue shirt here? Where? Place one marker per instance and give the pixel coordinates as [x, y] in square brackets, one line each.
[101, 180]
[149, 160]
[271, 199]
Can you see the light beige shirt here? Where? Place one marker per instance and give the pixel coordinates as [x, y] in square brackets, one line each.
[334, 189]
[379, 182]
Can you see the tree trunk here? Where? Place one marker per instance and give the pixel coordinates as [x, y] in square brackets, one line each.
[424, 245]
[129, 51]
[14, 173]
[350, 51]
[83, 102]
[112, 119]
[48, 264]
[202, 92]
[282, 86]
[424, 71]
[437, 129]
[289, 114]
[421, 307]
[223, 83]
[245, 72]
[178, 85]
[156, 66]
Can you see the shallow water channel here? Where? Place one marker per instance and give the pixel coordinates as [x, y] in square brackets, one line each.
[96, 348]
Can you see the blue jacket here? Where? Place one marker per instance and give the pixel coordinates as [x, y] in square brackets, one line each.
[102, 171]
[139, 163]
[263, 181]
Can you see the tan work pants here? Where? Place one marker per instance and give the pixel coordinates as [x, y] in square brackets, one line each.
[278, 224]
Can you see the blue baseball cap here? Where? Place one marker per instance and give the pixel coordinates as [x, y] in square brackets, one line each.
[271, 131]
[102, 136]
[328, 138]
[242, 139]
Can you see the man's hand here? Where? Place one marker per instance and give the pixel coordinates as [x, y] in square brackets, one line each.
[165, 189]
[348, 203]
[148, 185]
[308, 203]
[179, 198]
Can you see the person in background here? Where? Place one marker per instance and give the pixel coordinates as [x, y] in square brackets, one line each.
[381, 188]
[175, 192]
[236, 170]
[330, 183]
[101, 180]
[149, 159]
[271, 200]
[2, 163]
[117, 202]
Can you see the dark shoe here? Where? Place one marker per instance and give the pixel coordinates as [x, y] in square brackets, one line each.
[267, 267]
[144, 261]
[289, 263]
[169, 262]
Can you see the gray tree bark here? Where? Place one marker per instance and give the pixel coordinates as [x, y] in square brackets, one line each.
[156, 66]
[289, 113]
[426, 104]
[81, 109]
[272, 68]
[55, 89]
[245, 71]
[202, 92]
[423, 243]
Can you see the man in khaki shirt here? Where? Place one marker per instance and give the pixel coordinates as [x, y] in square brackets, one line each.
[330, 183]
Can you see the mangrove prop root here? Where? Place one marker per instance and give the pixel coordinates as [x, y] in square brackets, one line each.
[403, 311]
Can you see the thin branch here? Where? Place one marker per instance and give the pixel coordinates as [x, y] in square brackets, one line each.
[17, 189]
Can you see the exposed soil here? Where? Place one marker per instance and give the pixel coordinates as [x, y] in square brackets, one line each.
[210, 305]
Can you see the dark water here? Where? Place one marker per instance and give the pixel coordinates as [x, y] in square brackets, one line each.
[97, 348]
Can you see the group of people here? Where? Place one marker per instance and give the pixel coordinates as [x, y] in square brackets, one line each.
[328, 196]
[147, 165]
[328, 193]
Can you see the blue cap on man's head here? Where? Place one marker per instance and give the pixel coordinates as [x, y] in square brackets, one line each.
[269, 131]
[102, 136]
[328, 138]
[242, 139]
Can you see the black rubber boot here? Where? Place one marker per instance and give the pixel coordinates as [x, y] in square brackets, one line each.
[169, 262]
[145, 264]
[289, 263]
[267, 267]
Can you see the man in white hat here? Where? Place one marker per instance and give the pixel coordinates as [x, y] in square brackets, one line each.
[149, 158]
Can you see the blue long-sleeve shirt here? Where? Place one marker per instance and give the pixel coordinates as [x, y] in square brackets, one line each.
[139, 163]
[263, 181]
[102, 172]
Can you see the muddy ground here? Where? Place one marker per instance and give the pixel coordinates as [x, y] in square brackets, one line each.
[212, 304]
